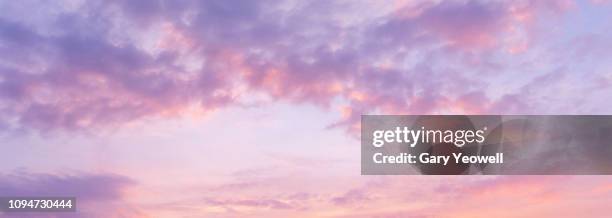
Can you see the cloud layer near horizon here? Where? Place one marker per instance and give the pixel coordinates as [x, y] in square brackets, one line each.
[83, 64]
[108, 195]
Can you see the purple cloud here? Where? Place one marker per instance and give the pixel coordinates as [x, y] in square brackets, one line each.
[98, 195]
[105, 63]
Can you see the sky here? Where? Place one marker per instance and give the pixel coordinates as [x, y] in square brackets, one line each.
[252, 108]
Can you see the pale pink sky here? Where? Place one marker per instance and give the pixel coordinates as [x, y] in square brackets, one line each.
[251, 108]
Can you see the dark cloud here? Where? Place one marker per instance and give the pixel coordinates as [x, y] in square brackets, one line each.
[94, 187]
[98, 195]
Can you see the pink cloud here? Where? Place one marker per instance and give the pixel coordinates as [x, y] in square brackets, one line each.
[529, 196]
[83, 77]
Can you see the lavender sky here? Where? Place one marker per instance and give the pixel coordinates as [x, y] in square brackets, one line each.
[251, 108]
